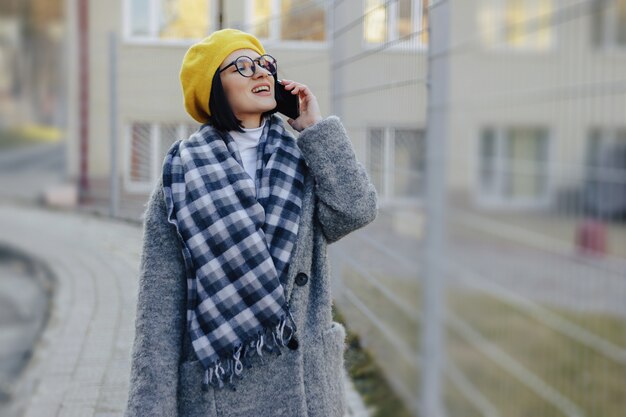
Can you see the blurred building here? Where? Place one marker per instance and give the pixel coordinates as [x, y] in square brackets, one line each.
[562, 57]
[372, 73]
[31, 63]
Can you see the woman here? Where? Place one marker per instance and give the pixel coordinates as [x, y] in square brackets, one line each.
[234, 305]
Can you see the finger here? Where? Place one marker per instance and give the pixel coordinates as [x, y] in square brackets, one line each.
[301, 89]
[290, 85]
[294, 87]
[305, 91]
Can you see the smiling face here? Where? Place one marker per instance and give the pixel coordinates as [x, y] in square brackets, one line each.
[249, 97]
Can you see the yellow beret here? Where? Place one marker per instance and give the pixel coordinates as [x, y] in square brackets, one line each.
[202, 61]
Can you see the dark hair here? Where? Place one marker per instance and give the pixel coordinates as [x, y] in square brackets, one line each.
[222, 116]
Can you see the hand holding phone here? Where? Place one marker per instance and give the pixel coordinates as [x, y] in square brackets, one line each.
[286, 103]
[308, 109]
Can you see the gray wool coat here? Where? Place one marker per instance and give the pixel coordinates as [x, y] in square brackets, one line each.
[306, 382]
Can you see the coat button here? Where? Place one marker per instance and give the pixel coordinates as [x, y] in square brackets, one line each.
[293, 343]
[301, 279]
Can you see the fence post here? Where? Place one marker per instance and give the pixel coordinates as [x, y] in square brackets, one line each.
[433, 355]
[336, 53]
[114, 186]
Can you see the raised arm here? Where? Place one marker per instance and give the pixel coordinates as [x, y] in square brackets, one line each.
[346, 197]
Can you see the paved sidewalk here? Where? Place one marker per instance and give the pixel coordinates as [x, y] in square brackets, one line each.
[81, 365]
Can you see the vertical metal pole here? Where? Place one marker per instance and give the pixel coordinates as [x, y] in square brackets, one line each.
[114, 201]
[332, 23]
[335, 56]
[220, 14]
[433, 328]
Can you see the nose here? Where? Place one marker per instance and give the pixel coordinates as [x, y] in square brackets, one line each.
[261, 72]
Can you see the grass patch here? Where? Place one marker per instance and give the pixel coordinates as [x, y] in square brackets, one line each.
[28, 135]
[608, 327]
[407, 328]
[591, 381]
[508, 396]
[455, 402]
[368, 378]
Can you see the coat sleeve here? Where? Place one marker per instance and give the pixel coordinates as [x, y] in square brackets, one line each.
[346, 197]
[160, 318]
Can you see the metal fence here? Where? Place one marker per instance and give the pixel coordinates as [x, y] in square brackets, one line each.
[493, 281]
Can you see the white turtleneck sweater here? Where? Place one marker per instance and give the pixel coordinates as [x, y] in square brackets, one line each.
[247, 142]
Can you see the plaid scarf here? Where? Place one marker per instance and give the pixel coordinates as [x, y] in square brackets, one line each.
[238, 236]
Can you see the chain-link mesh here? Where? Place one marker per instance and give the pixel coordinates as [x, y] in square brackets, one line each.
[534, 258]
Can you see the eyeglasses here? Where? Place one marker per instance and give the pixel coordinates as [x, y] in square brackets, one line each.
[246, 66]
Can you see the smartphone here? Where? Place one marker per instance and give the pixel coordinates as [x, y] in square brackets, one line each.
[286, 103]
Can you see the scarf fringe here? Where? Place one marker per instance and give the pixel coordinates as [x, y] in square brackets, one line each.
[271, 339]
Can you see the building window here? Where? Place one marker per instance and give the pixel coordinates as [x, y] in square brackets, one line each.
[141, 163]
[395, 162]
[147, 145]
[170, 19]
[609, 23]
[605, 173]
[513, 165]
[516, 24]
[287, 20]
[405, 21]
[603, 145]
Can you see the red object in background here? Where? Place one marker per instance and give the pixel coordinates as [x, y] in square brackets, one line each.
[83, 100]
[591, 237]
